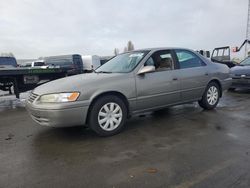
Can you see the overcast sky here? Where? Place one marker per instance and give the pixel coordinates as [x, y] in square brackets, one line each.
[34, 28]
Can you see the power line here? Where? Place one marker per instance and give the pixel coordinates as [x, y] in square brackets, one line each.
[248, 28]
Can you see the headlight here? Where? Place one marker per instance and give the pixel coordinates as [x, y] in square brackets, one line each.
[59, 97]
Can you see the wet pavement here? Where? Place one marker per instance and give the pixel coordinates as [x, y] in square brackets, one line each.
[180, 147]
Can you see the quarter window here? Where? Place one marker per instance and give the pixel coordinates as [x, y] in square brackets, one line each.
[188, 60]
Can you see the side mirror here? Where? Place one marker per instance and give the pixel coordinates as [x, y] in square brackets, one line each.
[146, 69]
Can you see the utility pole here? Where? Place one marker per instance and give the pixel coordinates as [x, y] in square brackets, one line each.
[248, 29]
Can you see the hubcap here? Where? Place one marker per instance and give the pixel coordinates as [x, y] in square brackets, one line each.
[110, 116]
[212, 95]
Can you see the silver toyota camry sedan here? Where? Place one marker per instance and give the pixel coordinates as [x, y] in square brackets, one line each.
[128, 84]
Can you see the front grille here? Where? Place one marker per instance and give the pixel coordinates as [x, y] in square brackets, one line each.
[32, 97]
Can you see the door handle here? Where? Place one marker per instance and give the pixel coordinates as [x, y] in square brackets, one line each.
[175, 79]
[206, 74]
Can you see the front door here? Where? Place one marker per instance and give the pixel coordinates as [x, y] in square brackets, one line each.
[159, 88]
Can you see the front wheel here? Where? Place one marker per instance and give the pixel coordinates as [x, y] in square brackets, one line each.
[108, 115]
[210, 97]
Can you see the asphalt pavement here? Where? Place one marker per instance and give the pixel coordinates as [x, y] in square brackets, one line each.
[180, 147]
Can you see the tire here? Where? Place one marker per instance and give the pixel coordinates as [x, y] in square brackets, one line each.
[211, 96]
[115, 119]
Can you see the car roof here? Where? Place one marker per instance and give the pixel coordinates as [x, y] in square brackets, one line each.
[61, 56]
[162, 48]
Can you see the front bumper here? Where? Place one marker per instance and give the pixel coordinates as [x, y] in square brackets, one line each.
[65, 117]
[226, 84]
[241, 83]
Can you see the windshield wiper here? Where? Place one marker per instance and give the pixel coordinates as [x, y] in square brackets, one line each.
[103, 72]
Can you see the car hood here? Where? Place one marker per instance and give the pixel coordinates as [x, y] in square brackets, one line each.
[78, 82]
[240, 70]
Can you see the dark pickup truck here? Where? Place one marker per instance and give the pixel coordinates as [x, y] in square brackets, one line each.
[25, 79]
[6, 62]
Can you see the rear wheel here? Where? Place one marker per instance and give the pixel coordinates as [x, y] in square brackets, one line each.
[210, 97]
[108, 115]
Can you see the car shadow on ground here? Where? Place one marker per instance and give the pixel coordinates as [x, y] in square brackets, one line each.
[159, 130]
[164, 118]
[66, 133]
[172, 125]
[80, 133]
[241, 91]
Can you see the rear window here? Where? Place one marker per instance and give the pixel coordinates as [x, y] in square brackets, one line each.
[78, 61]
[39, 64]
[246, 61]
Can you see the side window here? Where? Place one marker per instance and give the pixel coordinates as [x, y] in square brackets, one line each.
[150, 62]
[188, 60]
[162, 60]
[226, 52]
[77, 61]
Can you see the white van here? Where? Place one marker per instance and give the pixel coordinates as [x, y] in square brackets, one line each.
[90, 62]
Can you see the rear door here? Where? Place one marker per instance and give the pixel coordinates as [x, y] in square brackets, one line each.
[159, 88]
[193, 75]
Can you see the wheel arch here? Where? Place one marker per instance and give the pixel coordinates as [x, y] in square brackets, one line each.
[217, 82]
[114, 93]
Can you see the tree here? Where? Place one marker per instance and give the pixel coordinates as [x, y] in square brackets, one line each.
[116, 51]
[130, 46]
[125, 49]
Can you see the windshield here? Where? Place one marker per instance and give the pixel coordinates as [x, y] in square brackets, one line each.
[8, 61]
[122, 63]
[246, 61]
